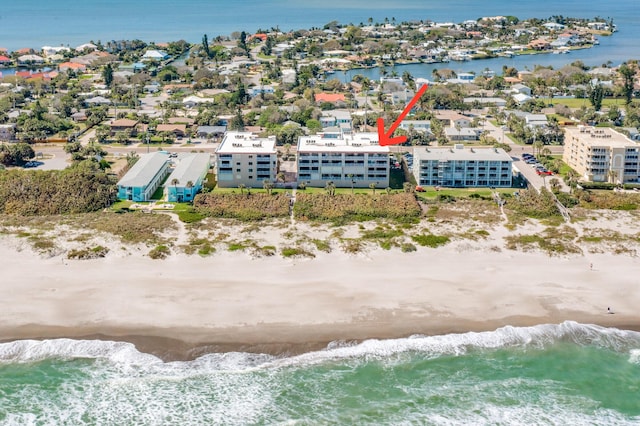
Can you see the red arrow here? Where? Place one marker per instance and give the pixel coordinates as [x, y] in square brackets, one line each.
[387, 138]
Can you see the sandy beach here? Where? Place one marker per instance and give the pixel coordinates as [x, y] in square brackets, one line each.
[185, 305]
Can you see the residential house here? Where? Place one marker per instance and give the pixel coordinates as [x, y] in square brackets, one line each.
[97, 100]
[462, 133]
[261, 90]
[30, 59]
[423, 126]
[489, 101]
[4, 60]
[462, 167]
[333, 98]
[348, 161]
[453, 118]
[7, 132]
[336, 118]
[155, 55]
[244, 158]
[179, 130]
[193, 101]
[521, 88]
[123, 125]
[211, 132]
[144, 177]
[73, 66]
[600, 154]
[187, 178]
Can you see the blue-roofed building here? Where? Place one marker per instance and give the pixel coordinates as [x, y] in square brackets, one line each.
[142, 180]
[187, 178]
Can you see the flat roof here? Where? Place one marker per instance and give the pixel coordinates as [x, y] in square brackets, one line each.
[601, 136]
[189, 168]
[358, 142]
[145, 169]
[461, 154]
[235, 142]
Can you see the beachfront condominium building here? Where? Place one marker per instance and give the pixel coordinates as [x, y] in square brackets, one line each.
[187, 177]
[146, 175]
[243, 158]
[462, 167]
[355, 160]
[600, 154]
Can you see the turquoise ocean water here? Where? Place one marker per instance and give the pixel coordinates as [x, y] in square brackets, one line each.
[569, 374]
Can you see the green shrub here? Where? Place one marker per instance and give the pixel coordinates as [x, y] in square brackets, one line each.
[92, 253]
[407, 248]
[343, 208]
[246, 207]
[430, 240]
[159, 252]
[296, 252]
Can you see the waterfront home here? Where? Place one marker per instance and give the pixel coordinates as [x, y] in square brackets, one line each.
[187, 178]
[144, 177]
[347, 161]
[30, 59]
[154, 55]
[462, 167]
[244, 158]
[4, 60]
[600, 154]
[73, 66]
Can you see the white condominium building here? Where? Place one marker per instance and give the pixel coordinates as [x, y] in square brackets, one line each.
[243, 158]
[462, 167]
[356, 160]
[600, 154]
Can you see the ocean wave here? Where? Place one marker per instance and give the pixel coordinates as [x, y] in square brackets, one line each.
[539, 336]
[24, 351]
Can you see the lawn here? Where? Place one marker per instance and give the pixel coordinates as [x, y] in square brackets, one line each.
[431, 193]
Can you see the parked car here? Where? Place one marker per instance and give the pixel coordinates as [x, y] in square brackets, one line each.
[544, 172]
[420, 189]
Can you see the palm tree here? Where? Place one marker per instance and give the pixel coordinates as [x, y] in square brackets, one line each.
[242, 187]
[330, 187]
[554, 183]
[612, 175]
[268, 186]
[373, 187]
[350, 176]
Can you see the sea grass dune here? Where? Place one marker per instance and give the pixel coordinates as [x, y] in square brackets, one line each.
[247, 292]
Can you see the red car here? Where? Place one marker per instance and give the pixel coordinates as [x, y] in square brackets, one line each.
[544, 172]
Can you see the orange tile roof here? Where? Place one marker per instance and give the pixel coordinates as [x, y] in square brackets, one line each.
[329, 97]
[72, 65]
[4, 58]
